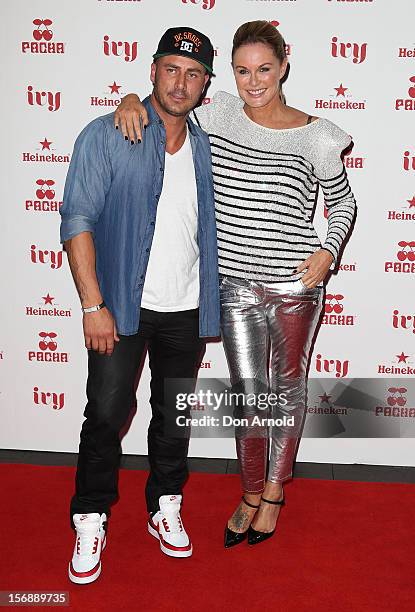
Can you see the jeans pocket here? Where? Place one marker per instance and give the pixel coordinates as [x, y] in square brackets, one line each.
[222, 281]
[236, 291]
[228, 294]
[302, 293]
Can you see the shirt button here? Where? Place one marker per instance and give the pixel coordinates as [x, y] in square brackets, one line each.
[142, 276]
[147, 250]
[161, 169]
[152, 223]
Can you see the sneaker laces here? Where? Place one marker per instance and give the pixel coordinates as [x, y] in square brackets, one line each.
[87, 540]
[172, 521]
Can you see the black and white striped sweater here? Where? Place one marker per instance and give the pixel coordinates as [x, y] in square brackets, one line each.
[266, 181]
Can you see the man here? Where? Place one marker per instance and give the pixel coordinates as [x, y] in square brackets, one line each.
[139, 229]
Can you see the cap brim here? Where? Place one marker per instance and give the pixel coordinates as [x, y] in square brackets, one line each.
[156, 55]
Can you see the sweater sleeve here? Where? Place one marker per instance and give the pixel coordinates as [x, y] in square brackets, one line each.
[338, 196]
[221, 103]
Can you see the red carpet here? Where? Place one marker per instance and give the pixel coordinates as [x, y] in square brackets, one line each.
[340, 546]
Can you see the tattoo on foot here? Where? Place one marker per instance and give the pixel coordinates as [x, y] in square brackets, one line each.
[241, 519]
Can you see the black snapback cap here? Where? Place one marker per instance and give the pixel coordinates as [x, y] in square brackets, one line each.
[189, 43]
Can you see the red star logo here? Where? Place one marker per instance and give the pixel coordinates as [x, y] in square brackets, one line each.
[411, 202]
[46, 144]
[325, 398]
[340, 90]
[48, 299]
[402, 357]
[114, 88]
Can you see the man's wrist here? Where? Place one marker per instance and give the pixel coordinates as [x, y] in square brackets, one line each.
[93, 308]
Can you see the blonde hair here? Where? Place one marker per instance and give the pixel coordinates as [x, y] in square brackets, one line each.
[263, 32]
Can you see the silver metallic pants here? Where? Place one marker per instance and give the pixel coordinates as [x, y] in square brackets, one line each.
[267, 331]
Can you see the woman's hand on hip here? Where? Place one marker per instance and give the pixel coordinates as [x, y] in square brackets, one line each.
[317, 266]
[128, 116]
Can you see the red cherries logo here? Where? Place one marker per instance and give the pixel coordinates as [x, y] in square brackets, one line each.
[404, 254]
[44, 189]
[333, 303]
[396, 398]
[42, 31]
[47, 341]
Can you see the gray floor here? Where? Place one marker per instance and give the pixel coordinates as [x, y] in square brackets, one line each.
[326, 471]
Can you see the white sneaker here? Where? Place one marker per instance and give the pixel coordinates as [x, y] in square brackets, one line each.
[85, 566]
[166, 525]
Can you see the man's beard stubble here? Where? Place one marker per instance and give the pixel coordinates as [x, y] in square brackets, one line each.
[168, 109]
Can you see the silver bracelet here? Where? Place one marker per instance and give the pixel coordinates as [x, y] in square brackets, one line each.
[94, 308]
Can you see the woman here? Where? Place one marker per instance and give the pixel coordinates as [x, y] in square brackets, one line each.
[268, 160]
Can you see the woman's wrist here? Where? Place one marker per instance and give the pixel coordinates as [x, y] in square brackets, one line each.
[329, 252]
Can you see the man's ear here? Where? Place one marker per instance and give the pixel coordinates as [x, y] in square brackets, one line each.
[283, 68]
[153, 72]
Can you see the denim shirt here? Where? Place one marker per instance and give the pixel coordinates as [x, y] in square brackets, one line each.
[112, 190]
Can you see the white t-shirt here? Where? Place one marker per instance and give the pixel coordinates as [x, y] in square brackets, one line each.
[172, 278]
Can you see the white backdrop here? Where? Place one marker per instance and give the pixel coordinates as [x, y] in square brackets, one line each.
[67, 61]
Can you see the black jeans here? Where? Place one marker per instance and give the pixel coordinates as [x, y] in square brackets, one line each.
[175, 351]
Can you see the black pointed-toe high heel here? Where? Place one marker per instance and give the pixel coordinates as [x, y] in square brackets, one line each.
[232, 538]
[254, 536]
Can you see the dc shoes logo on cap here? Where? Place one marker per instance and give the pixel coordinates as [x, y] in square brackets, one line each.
[188, 42]
[186, 46]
